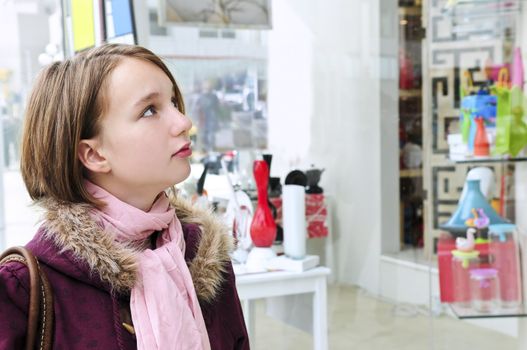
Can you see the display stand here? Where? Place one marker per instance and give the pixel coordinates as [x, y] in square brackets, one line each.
[282, 284]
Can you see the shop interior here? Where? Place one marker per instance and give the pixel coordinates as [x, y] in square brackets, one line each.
[385, 137]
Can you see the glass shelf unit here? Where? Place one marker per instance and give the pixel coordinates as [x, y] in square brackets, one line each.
[496, 159]
[467, 313]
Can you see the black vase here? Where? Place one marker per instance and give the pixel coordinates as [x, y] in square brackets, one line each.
[279, 230]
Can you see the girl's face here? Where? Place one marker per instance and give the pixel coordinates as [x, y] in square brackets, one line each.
[144, 138]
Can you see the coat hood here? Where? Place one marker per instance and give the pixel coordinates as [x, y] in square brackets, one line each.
[90, 252]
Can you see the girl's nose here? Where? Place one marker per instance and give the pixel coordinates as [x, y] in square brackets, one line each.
[180, 123]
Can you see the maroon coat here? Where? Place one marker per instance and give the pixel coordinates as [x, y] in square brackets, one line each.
[91, 279]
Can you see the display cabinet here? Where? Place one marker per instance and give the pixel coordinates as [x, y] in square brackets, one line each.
[470, 63]
[464, 39]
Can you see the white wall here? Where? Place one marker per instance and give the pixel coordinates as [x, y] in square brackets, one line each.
[324, 108]
[290, 75]
[389, 100]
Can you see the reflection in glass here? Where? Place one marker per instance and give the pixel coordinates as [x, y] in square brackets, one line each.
[226, 100]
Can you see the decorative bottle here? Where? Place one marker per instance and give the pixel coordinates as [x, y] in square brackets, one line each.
[263, 226]
[481, 142]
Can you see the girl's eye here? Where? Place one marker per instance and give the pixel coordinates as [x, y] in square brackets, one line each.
[150, 111]
[174, 102]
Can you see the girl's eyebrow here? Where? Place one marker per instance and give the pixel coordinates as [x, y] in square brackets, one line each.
[147, 98]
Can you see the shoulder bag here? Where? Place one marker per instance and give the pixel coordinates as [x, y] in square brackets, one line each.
[40, 316]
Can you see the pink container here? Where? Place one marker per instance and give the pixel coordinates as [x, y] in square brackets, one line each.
[484, 290]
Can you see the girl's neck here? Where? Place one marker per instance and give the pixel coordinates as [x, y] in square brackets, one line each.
[138, 202]
[140, 199]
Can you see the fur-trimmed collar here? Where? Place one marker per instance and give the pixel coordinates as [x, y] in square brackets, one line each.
[71, 228]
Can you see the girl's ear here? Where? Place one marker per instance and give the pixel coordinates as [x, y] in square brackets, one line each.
[91, 157]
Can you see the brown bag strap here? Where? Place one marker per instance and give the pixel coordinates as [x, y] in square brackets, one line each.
[40, 315]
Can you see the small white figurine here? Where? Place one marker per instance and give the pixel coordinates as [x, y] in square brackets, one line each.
[466, 244]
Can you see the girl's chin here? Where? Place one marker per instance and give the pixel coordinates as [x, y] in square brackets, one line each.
[181, 176]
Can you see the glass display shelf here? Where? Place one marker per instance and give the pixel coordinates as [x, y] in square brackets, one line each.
[454, 3]
[488, 4]
[491, 159]
[482, 9]
[462, 312]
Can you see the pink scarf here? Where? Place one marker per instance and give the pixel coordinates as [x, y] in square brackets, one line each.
[165, 309]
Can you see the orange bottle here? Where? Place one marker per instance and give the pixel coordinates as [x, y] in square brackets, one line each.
[481, 142]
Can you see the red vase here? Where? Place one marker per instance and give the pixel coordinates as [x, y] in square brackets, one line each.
[263, 226]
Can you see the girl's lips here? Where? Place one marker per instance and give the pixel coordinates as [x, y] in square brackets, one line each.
[184, 152]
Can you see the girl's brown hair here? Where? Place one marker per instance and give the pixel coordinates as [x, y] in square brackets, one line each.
[65, 106]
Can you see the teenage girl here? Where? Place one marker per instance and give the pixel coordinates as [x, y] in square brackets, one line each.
[131, 267]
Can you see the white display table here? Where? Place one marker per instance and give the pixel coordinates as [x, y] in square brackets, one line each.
[283, 283]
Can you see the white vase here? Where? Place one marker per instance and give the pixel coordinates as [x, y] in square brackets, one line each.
[294, 220]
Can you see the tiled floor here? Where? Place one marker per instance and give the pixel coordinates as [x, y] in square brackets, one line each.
[360, 321]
